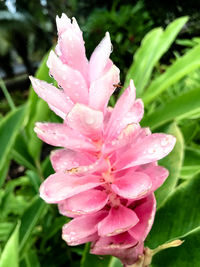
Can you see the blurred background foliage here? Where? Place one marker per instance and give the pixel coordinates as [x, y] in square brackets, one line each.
[165, 65]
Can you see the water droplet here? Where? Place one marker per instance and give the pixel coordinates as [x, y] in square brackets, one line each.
[89, 120]
[151, 150]
[164, 141]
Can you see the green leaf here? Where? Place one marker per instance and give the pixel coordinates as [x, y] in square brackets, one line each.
[179, 108]
[29, 220]
[173, 162]
[153, 46]
[115, 262]
[185, 255]
[21, 154]
[181, 67]
[38, 110]
[191, 163]
[10, 255]
[30, 259]
[178, 216]
[9, 128]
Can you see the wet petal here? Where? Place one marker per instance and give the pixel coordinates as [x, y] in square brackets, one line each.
[86, 202]
[57, 134]
[65, 159]
[145, 211]
[71, 48]
[133, 185]
[149, 149]
[101, 89]
[87, 121]
[122, 246]
[156, 173]
[99, 58]
[60, 186]
[119, 220]
[122, 107]
[82, 228]
[56, 99]
[69, 79]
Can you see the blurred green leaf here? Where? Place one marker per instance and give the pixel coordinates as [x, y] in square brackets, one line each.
[181, 67]
[173, 162]
[29, 220]
[38, 110]
[153, 46]
[181, 107]
[5, 230]
[114, 262]
[185, 255]
[191, 163]
[178, 216]
[10, 255]
[9, 128]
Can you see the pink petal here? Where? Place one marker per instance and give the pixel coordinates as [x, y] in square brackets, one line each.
[122, 107]
[122, 246]
[149, 149]
[102, 88]
[60, 186]
[86, 202]
[119, 220]
[70, 48]
[145, 211]
[57, 134]
[127, 136]
[135, 114]
[87, 121]
[99, 58]
[157, 174]
[132, 185]
[82, 228]
[55, 98]
[65, 159]
[69, 79]
[63, 23]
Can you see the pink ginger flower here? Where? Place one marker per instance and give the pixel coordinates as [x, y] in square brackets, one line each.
[107, 171]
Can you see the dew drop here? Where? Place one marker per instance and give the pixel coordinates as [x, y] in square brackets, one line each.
[89, 120]
[164, 142]
[151, 150]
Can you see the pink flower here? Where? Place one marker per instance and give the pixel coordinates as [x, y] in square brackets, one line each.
[106, 171]
[89, 83]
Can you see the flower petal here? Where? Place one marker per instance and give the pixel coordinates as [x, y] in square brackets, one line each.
[57, 134]
[119, 220]
[70, 48]
[86, 202]
[69, 79]
[102, 88]
[99, 58]
[60, 186]
[82, 228]
[122, 246]
[133, 185]
[145, 211]
[56, 99]
[122, 107]
[157, 174]
[148, 149]
[87, 121]
[65, 159]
